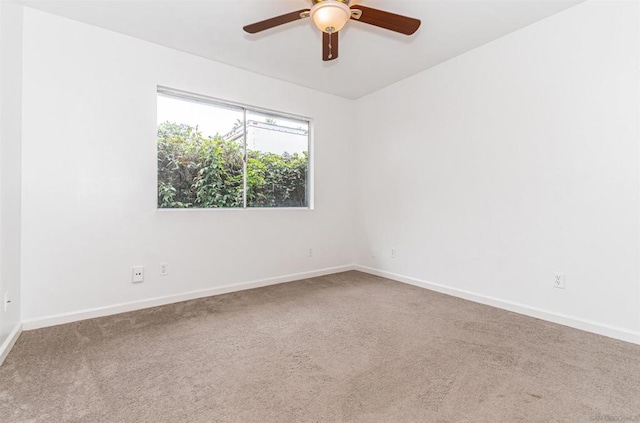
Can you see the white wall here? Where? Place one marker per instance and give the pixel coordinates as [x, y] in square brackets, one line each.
[10, 171]
[89, 176]
[493, 170]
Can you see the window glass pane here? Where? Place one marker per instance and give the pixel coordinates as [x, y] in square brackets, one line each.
[200, 154]
[204, 161]
[277, 161]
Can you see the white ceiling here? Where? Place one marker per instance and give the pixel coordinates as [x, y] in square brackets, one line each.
[370, 58]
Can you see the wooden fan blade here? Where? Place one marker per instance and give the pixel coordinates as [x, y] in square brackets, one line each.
[273, 22]
[387, 20]
[329, 46]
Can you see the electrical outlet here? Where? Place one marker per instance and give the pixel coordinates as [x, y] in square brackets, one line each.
[164, 269]
[6, 301]
[137, 274]
[558, 280]
[310, 252]
[394, 253]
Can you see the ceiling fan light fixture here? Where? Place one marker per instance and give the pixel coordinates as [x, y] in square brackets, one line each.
[330, 15]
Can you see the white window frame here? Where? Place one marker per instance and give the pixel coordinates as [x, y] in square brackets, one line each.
[199, 98]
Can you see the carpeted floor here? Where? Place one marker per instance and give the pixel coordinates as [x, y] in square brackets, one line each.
[342, 348]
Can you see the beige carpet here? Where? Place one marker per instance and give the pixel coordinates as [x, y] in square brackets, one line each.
[341, 348]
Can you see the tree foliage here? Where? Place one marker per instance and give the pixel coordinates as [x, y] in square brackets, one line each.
[199, 171]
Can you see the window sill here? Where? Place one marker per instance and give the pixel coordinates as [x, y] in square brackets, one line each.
[237, 209]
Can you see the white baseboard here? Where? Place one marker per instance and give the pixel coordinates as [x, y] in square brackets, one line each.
[10, 342]
[158, 301]
[574, 322]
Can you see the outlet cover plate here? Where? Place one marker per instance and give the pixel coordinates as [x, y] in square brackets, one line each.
[137, 274]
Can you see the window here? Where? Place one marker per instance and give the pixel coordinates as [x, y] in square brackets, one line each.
[213, 154]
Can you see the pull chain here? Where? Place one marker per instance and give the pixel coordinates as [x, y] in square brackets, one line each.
[330, 31]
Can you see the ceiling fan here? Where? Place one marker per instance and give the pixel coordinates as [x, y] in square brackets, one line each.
[331, 15]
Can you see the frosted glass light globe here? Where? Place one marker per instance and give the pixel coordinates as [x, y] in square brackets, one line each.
[330, 15]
